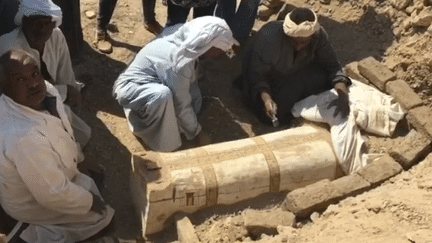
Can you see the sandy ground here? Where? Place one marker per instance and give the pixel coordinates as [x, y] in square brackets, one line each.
[357, 29]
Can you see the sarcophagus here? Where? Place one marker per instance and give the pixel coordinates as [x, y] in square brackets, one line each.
[229, 172]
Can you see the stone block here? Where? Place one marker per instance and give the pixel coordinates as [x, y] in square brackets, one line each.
[421, 119]
[403, 94]
[352, 71]
[350, 185]
[380, 170]
[259, 222]
[185, 230]
[375, 72]
[314, 197]
[410, 149]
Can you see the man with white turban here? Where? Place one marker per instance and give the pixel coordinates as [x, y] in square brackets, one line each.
[38, 34]
[289, 61]
[159, 90]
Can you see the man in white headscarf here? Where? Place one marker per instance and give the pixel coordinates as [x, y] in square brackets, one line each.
[38, 34]
[289, 61]
[159, 89]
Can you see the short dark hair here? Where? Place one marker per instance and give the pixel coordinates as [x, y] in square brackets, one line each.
[15, 54]
[300, 15]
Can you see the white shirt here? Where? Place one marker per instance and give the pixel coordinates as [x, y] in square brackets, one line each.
[38, 164]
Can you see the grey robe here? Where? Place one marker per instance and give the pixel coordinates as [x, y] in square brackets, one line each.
[271, 63]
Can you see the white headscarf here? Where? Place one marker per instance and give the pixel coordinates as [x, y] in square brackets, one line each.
[197, 36]
[38, 7]
[304, 29]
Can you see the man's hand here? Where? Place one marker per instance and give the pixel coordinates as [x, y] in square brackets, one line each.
[98, 204]
[73, 97]
[203, 138]
[269, 104]
[342, 102]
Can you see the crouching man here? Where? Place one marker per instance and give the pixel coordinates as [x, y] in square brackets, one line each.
[41, 188]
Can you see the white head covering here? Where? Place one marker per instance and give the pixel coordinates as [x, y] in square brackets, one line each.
[304, 29]
[197, 36]
[38, 7]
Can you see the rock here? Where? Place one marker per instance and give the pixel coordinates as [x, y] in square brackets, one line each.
[350, 185]
[400, 4]
[185, 230]
[421, 119]
[90, 14]
[352, 71]
[406, 24]
[424, 18]
[266, 222]
[264, 12]
[420, 236]
[380, 170]
[325, 1]
[314, 216]
[429, 30]
[314, 197]
[403, 94]
[411, 149]
[375, 72]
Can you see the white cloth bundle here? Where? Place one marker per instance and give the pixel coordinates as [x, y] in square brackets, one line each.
[370, 110]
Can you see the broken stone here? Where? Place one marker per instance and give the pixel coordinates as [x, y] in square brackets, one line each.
[266, 222]
[185, 230]
[400, 4]
[314, 216]
[325, 1]
[424, 19]
[90, 14]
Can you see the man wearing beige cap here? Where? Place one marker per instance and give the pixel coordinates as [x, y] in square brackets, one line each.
[288, 61]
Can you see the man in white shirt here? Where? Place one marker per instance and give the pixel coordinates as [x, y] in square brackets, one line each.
[40, 184]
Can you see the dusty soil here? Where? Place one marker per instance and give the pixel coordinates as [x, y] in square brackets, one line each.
[357, 29]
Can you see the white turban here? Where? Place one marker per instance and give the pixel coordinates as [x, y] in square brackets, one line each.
[304, 29]
[30, 8]
[197, 36]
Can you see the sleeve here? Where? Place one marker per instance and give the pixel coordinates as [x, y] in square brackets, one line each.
[65, 73]
[327, 56]
[179, 83]
[40, 168]
[264, 53]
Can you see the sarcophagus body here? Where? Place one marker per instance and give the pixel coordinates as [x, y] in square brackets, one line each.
[226, 173]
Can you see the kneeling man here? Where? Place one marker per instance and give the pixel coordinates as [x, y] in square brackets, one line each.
[41, 187]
